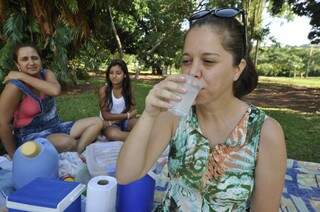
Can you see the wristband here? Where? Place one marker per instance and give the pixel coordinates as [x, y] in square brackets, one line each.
[128, 115]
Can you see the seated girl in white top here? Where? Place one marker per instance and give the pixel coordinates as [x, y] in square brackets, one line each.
[116, 102]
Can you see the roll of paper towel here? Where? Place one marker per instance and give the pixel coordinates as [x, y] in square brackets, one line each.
[101, 194]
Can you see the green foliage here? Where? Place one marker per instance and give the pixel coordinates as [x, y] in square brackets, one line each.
[288, 61]
[72, 5]
[77, 34]
[152, 30]
[303, 8]
[89, 58]
[14, 28]
[58, 45]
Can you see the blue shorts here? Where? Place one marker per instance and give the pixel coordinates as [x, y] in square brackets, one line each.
[63, 127]
[123, 125]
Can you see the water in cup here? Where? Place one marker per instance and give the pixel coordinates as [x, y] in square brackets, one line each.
[193, 86]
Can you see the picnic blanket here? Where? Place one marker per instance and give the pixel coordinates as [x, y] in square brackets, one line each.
[301, 191]
[302, 187]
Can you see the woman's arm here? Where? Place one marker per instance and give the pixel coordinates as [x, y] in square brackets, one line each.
[271, 168]
[133, 111]
[50, 86]
[152, 133]
[9, 101]
[107, 116]
[145, 143]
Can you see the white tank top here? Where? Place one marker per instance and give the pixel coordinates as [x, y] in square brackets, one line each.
[118, 104]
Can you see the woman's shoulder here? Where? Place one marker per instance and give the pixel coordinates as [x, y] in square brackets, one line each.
[272, 135]
[15, 85]
[271, 126]
[47, 74]
[11, 91]
[12, 86]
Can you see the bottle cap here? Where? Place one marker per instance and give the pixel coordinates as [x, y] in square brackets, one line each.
[30, 149]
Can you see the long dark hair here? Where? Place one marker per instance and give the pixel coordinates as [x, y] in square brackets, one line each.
[231, 33]
[126, 85]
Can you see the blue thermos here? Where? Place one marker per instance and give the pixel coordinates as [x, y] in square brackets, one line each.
[36, 158]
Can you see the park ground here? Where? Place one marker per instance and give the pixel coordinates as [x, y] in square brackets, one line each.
[297, 98]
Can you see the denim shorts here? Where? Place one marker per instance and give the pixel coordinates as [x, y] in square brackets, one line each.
[63, 127]
[123, 125]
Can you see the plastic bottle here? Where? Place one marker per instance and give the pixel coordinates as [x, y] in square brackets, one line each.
[37, 158]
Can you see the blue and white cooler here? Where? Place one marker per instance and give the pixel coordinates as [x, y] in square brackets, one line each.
[47, 195]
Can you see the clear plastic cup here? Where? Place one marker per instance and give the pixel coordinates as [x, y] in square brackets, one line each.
[192, 86]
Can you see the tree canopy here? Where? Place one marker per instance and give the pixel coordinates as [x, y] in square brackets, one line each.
[310, 8]
[76, 36]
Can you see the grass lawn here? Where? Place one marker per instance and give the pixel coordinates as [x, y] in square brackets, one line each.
[301, 129]
[301, 133]
[310, 82]
[72, 107]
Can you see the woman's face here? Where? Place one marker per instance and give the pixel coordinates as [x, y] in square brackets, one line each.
[28, 61]
[116, 75]
[205, 58]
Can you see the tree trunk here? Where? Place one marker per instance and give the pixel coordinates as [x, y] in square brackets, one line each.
[114, 29]
[165, 71]
[246, 5]
[256, 53]
[137, 68]
[309, 62]
[3, 4]
[43, 14]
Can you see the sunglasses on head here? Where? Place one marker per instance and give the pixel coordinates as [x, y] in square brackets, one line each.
[223, 13]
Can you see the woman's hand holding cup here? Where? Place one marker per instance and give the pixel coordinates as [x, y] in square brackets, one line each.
[163, 94]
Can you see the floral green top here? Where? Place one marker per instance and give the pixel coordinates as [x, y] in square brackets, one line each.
[219, 178]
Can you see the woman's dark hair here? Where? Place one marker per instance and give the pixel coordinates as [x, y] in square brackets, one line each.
[22, 45]
[231, 33]
[126, 85]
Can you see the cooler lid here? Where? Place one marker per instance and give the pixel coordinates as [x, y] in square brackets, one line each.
[46, 193]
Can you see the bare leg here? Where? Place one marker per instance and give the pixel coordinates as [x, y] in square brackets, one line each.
[63, 142]
[86, 130]
[114, 133]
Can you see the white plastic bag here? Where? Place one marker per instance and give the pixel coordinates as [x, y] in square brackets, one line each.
[69, 164]
[101, 157]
